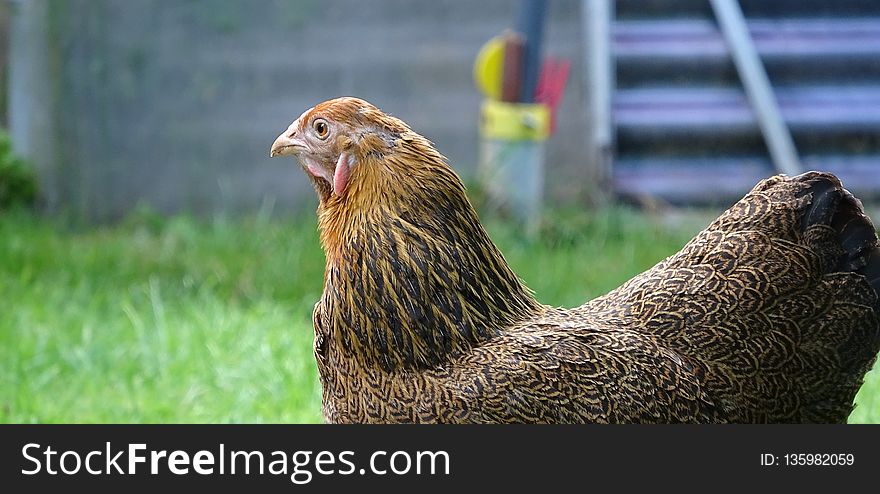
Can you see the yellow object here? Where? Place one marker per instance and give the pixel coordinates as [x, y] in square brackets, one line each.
[489, 67]
[514, 121]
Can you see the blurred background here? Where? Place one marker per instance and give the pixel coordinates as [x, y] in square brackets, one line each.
[175, 104]
[156, 265]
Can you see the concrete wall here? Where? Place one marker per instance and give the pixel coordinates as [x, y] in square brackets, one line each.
[174, 104]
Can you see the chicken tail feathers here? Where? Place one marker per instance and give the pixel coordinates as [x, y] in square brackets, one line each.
[795, 269]
[832, 205]
[871, 270]
[855, 249]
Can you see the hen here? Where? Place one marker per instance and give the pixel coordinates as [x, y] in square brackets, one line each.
[770, 314]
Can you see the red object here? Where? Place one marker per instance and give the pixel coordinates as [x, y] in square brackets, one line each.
[511, 80]
[551, 85]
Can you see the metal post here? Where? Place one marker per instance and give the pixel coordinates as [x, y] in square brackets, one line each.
[757, 85]
[531, 26]
[596, 19]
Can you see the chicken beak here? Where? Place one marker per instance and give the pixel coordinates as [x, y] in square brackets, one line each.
[285, 145]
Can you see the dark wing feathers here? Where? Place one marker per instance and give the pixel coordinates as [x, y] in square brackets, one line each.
[545, 374]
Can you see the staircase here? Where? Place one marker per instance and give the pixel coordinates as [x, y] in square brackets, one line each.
[684, 129]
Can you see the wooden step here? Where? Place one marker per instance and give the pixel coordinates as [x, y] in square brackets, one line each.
[640, 9]
[665, 40]
[713, 110]
[725, 179]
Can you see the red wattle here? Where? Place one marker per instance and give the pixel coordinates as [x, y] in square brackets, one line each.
[340, 176]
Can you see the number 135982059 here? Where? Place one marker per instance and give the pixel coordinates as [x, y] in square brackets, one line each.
[808, 459]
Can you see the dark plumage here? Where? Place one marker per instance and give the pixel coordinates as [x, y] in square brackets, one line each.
[770, 314]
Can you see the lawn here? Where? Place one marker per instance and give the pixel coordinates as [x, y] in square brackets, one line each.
[183, 320]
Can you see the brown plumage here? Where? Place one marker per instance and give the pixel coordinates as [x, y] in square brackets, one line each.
[770, 314]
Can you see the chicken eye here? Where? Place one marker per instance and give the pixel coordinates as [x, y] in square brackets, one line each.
[321, 128]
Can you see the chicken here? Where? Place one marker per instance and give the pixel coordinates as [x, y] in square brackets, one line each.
[770, 314]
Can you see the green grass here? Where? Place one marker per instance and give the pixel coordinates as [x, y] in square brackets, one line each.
[182, 320]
